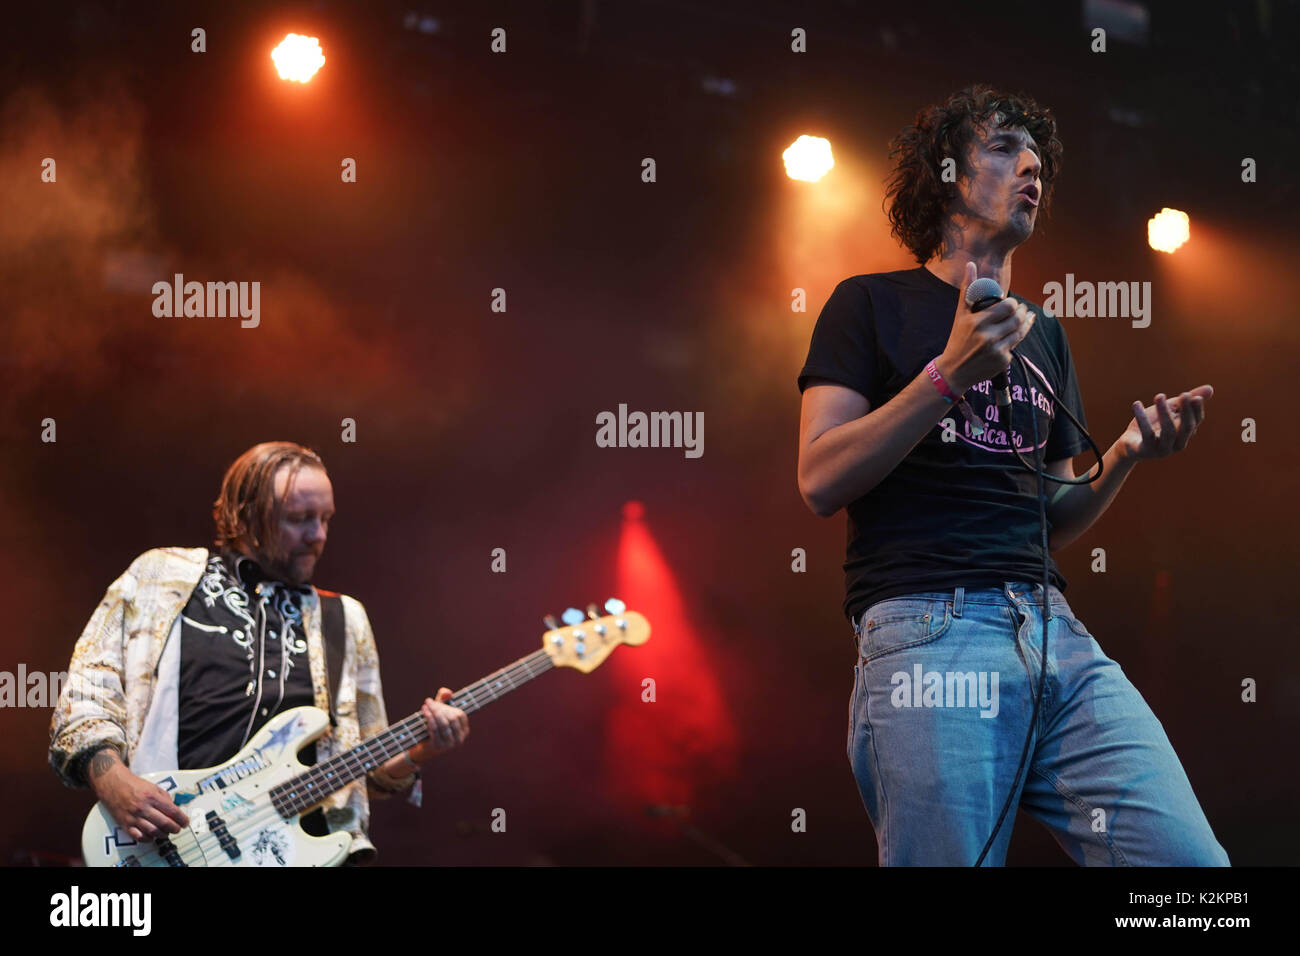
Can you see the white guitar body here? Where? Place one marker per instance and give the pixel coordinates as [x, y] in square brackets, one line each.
[232, 819]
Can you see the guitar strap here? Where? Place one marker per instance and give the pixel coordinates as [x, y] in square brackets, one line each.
[334, 630]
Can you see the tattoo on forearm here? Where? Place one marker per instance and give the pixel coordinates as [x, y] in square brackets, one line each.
[102, 762]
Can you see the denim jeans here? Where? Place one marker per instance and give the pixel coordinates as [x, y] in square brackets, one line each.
[943, 692]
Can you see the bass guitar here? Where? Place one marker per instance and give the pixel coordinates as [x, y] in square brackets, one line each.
[248, 811]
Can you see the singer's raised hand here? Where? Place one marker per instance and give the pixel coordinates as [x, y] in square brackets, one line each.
[1176, 420]
[980, 343]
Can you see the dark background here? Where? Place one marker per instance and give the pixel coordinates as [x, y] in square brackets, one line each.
[476, 429]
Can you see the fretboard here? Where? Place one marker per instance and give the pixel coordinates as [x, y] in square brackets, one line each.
[312, 786]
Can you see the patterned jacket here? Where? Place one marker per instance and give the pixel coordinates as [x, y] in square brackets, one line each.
[123, 682]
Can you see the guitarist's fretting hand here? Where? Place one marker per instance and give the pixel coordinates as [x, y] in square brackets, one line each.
[143, 809]
[448, 728]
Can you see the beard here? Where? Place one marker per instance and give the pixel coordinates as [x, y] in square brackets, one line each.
[289, 568]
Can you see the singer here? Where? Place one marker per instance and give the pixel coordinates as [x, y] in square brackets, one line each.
[901, 427]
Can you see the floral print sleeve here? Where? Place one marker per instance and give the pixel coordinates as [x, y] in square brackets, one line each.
[371, 713]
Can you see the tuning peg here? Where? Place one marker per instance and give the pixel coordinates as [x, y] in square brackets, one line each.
[572, 616]
[551, 623]
[615, 606]
[593, 612]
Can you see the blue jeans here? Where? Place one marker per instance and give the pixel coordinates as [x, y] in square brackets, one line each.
[943, 692]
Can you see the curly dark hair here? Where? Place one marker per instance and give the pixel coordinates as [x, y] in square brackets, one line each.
[917, 195]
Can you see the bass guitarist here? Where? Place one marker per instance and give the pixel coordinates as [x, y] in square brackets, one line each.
[191, 652]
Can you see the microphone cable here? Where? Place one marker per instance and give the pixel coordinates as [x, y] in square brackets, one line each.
[1040, 455]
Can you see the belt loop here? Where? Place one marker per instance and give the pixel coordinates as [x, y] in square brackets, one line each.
[958, 598]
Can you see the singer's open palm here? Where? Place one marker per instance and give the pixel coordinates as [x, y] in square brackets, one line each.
[1167, 426]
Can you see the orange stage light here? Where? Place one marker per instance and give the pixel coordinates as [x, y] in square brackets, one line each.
[298, 58]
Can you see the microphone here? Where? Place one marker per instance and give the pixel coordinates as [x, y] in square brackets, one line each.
[981, 294]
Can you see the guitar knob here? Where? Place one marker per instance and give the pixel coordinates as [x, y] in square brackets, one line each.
[557, 640]
[580, 648]
[615, 606]
[551, 623]
[572, 616]
[592, 612]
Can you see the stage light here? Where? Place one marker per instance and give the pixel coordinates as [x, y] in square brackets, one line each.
[1167, 230]
[663, 753]
[298, 58]
[808, 158]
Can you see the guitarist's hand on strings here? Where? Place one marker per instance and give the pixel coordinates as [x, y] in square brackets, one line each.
[448, 727]
[143, 809]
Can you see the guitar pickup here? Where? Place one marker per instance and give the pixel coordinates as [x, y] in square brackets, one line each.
[218, 828]
[167, 850]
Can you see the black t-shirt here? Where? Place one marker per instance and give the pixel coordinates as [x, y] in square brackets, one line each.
[243, 660]
[962, 512]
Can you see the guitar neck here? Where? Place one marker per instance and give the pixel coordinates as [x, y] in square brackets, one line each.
[309, 788]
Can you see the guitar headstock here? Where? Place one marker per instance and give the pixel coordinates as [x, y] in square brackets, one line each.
[584, 641]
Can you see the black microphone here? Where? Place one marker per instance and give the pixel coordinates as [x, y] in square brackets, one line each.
[981, 294]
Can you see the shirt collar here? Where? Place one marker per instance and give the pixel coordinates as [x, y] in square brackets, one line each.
[250, 574]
